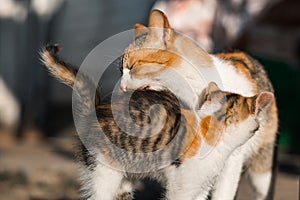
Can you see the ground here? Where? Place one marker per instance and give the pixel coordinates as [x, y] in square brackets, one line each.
[37, 169]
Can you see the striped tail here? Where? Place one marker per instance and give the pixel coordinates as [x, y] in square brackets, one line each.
[58, 68]
[66, 73]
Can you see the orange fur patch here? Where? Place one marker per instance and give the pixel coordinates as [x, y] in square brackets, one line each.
[141, 59]
[139, 29]
[164, 57]
[193, 139]
[210, 129]
[204, 125]
[57, 69]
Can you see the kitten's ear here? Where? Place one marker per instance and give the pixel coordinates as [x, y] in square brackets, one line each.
[139, 30]
[159, 23]
[261, 101]
[211, 88]
[212, 94]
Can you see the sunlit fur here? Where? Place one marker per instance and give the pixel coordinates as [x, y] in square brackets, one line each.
[161, 58]
[190, 176]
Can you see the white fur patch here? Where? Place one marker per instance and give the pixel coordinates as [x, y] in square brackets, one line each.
[240, 132]
[232, 81]
[261, 183]
[227, 183]
[126, 187]
[125, 79]
[209, 109]
[105, 182]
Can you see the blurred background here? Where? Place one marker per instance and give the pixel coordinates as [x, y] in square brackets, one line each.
[36, 125]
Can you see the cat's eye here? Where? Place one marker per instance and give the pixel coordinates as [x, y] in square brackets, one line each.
[132, 65]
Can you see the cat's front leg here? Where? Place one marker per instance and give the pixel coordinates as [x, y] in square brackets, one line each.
[186, 181]
[227, 183]
[104, 183]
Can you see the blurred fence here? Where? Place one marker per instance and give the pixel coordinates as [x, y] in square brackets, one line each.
[77, 24]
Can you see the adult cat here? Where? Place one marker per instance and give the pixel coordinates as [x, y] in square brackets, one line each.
[160, 58]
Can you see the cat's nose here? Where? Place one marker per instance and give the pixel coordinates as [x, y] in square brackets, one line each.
[123, 88]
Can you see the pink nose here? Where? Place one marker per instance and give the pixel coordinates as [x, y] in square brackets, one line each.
[123, 88]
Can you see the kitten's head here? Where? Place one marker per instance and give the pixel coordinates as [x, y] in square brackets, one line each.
[232, 112]
[156, 50]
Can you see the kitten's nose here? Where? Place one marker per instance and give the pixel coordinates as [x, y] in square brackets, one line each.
[123, 88]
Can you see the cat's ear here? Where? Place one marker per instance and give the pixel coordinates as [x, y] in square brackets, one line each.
[261, 101]
[158, 19]
[212, 94]
[139, 30]
[159, 25]
[212, 88]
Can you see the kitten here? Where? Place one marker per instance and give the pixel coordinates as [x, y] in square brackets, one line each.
[158, 53]
[225, 122]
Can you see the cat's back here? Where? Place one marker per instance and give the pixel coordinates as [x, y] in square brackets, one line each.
[250, 67]
[141, 121]
[137, 106]
[137, 127]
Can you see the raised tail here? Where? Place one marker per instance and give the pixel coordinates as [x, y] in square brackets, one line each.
[67, 73]
[58, 68]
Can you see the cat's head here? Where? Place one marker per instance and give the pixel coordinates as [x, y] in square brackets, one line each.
[232, 112]
[155, 52]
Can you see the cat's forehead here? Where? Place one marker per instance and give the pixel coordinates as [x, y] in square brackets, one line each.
[144, 41]
[226, 98]
[138, 43]
[228, 107]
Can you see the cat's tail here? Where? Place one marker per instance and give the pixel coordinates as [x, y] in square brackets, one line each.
[67, 73]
